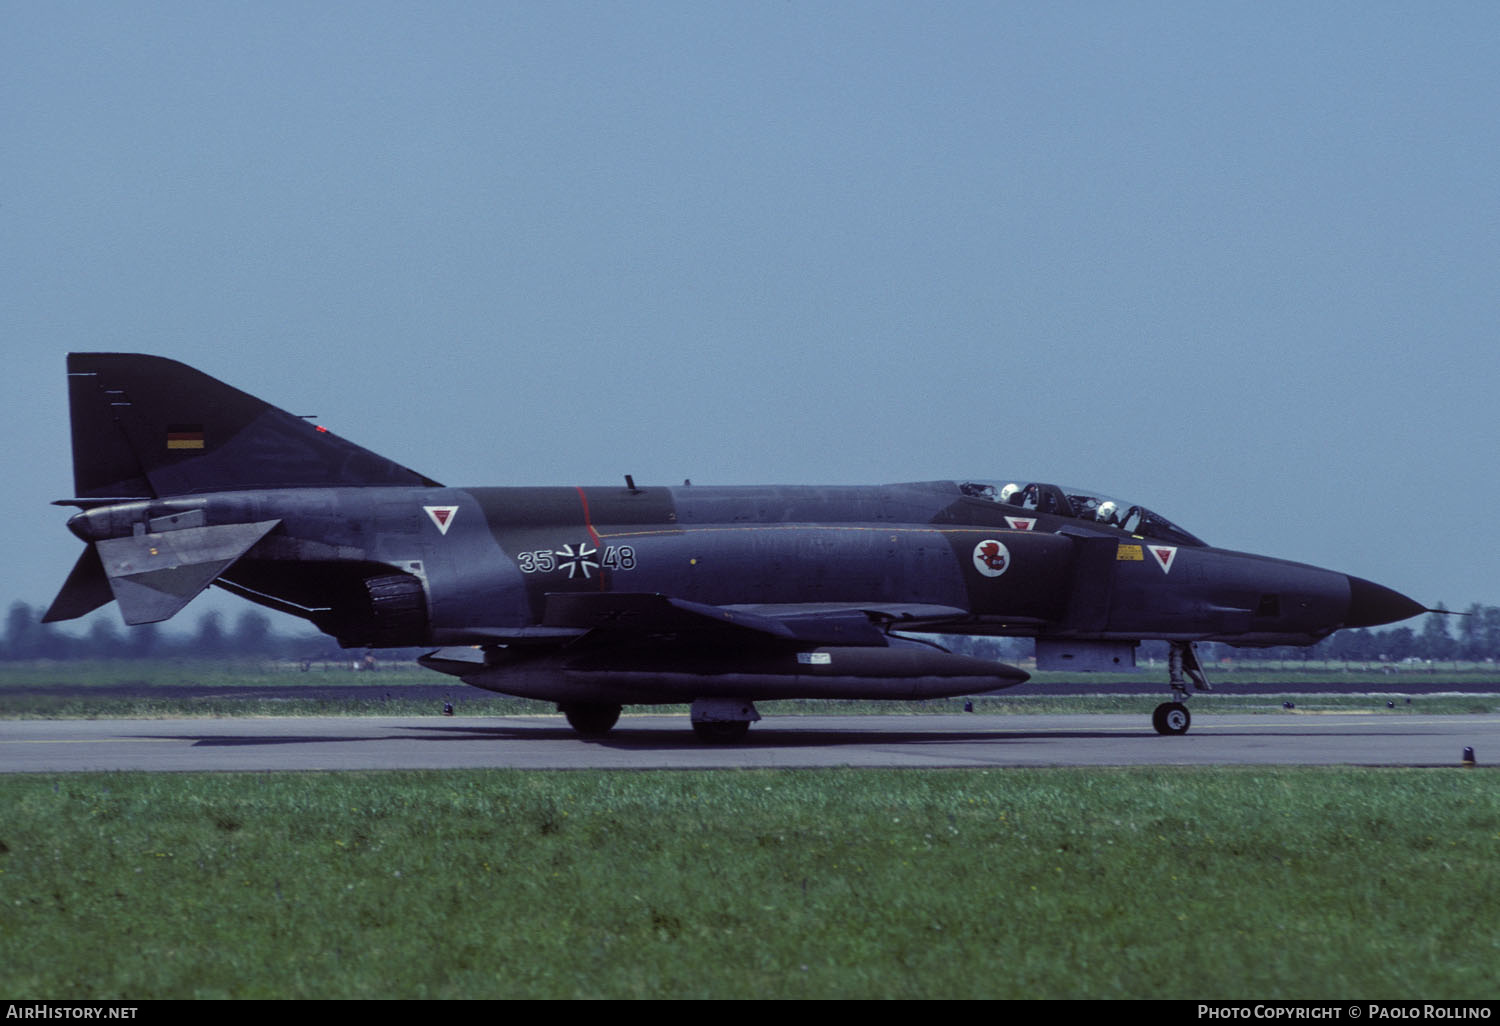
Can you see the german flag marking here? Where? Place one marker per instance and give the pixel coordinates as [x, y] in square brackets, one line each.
[185, 436]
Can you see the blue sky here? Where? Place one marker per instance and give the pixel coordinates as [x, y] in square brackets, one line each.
[1237, 262]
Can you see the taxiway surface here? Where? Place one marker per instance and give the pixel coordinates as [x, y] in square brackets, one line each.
[666, 742]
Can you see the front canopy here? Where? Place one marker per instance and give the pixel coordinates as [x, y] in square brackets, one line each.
[1062, 501]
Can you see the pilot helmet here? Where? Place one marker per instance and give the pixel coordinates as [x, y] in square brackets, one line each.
[1105, 514]
[1009, 492]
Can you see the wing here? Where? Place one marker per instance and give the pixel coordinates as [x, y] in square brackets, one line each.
[639, 616]
[646, 615]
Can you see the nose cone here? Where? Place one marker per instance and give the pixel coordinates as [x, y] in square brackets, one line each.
[1371, 604]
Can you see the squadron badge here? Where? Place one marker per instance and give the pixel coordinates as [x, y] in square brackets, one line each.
[991, 558]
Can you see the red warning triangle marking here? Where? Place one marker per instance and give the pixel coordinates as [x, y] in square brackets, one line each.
[442, 516]
[1164, 555]
[1020, 523]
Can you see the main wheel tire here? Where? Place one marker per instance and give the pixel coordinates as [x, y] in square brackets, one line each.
[1171, 718]
[591, 720]
[721, 732]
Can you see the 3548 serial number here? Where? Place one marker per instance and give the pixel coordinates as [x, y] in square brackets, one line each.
[541, 561]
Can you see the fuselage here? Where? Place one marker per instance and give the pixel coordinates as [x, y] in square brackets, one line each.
[475, 565]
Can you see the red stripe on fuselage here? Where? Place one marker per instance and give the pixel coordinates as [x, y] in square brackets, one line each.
[588, 521]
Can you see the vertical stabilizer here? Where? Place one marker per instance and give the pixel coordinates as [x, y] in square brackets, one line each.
[146, 426]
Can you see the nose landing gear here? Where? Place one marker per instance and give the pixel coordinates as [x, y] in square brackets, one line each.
[1183, 665]
[1171, 718]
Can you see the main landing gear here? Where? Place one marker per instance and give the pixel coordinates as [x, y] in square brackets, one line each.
[715, 720]
[591, 719]
[722, 721]
[1183, 665]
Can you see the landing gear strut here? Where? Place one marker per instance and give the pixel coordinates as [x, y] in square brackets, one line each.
[1183, 665]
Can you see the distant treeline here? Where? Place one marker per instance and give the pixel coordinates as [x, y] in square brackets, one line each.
[1472, 637]
[250, 636]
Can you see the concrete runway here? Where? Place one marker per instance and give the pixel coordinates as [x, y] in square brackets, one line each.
[666, 742]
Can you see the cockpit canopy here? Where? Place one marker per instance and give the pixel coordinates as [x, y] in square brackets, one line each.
[1037, 497]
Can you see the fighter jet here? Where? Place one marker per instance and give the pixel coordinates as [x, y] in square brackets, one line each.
[600, 597]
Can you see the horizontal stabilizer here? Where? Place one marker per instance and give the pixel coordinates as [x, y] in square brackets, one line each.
[85, 590]
[155, 575]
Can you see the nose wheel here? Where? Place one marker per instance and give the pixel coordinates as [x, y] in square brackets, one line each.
[1184, 666]
[1171, 718]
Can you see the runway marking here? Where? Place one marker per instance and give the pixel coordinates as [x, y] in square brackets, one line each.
[1333, 712]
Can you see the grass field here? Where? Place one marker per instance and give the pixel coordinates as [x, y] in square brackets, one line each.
[1165, 883]
[1162, 883]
